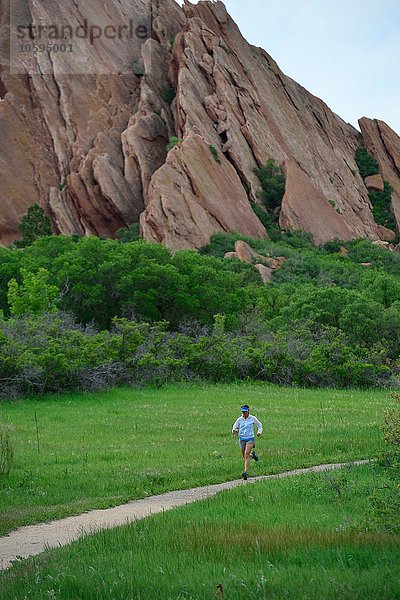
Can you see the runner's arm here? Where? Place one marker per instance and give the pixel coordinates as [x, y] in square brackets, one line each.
[259, 426]
[235, 428]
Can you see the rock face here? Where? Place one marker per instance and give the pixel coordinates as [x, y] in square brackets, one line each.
[304, 206]
[384, 144]
[61, 124]
[192, 196]
[85, 134]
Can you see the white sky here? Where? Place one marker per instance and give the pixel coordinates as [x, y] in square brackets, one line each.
[346, 52]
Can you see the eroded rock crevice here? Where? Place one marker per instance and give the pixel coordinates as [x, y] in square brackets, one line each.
[3, 89]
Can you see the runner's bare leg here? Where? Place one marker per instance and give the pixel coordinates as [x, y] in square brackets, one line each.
[249, 448]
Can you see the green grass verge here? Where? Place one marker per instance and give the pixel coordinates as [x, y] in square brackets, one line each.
[102, 449]
[303, 537]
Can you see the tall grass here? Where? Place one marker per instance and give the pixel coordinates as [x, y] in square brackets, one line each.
[6, 451]
[93, 450]
[293, 538]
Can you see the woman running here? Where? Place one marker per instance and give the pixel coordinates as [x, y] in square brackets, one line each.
[244, 426]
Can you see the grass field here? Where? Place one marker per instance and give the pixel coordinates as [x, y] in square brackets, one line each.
[301, 538]
[101, 449]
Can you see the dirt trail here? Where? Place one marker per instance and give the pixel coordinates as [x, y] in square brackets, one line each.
[33, 539]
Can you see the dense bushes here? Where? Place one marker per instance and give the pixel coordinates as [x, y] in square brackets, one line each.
[367, 165]
[102, 279]
[51, 353]
[272, 180]
[382, 207]
[87, 313]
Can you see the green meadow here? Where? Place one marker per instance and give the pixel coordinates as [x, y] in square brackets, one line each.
[299, 538]
[75, 452]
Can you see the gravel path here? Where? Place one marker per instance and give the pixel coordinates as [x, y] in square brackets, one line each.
[33, 539]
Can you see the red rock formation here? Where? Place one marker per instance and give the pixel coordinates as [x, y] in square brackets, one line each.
[375, 182]
[247, 107]
[305, 207]
[85, 135]
[385, 234]
[384, 144]
[245, 253]
[192, 196]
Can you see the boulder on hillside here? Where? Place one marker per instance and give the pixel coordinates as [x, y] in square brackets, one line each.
[265, 272]
[245, 252]
[375, 182]
[382, 244]
[385, 234]
[276, 263]
[265, 265]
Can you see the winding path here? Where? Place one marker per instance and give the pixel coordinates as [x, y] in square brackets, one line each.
[34, 539]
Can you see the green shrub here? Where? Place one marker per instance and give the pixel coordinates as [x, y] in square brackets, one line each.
[169, 94]
[214, 152]
[267, 218]
[334, 246]
[272, 179]
[367, 164]
[382, 207]
[51, 353]
[34, 295]
[171, 42]
[220, 244]
[129, 234]
[34, 224]
[297, 238]
[173, 141]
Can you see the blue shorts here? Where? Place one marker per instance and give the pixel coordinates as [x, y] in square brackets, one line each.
[242, 443]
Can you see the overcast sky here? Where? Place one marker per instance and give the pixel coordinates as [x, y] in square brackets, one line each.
[346, 52]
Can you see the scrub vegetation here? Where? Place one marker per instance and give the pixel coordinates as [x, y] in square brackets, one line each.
[86, 313]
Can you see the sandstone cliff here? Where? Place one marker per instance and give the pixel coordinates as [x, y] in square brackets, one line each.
[85, 133]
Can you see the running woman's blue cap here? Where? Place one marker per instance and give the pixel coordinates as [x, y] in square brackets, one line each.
[245, 408]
